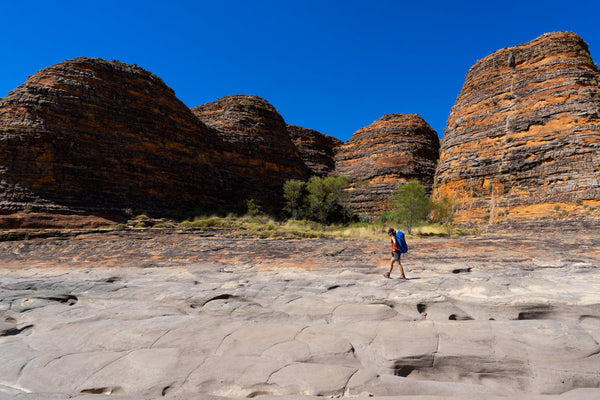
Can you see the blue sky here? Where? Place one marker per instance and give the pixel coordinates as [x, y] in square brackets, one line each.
[333, 66]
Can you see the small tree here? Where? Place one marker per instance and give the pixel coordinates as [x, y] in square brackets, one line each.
[252, 209]
[327, 198]
[320, 199]
[444, 211]
[293, 191]
[411, 203]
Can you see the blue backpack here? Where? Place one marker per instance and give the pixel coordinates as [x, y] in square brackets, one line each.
[401, 242]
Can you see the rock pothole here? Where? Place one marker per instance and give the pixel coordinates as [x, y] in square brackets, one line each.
[108, 390]
[15, 331]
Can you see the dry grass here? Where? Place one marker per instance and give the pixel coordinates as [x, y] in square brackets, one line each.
[359, 231]
[263, 226]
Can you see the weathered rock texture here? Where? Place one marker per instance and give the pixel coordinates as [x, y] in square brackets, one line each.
[260, 154]
[378, 158]
[316, 149]
[523, 138]
[97, 135]
[181, 316]
[89, 135]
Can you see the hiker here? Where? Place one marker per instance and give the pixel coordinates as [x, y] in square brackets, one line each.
[396, 254]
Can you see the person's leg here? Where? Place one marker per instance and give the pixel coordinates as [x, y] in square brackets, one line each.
[401, 269]
[387, 274]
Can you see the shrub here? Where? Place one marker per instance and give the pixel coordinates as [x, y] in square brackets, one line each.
[444, 210]
[252, 208]
[389, 216]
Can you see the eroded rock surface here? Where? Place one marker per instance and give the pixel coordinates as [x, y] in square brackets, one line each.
[259, 153]
[316, 149]
[96, 135]
[378, 158]
[523, 138]
[181, 316]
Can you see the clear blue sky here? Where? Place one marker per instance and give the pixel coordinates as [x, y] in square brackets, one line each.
[333, 66]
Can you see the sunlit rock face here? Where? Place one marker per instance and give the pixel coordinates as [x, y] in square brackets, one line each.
[523, 138]
[378, 158]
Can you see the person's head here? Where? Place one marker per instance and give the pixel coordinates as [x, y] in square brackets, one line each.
[391, 232]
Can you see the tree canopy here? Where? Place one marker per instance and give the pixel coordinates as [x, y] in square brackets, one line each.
[322, 199]
[411, 203]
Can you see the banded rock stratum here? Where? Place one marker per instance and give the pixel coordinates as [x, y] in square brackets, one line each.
[523, 139]
[258, 153]
[378, 158]
[316, 149]
[90, 135]
[95, 135]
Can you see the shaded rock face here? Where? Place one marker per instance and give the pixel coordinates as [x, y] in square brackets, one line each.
[257, 147]
[523, 138]
[378, 158]
[316, 149]
[93, 135]
[98, 135]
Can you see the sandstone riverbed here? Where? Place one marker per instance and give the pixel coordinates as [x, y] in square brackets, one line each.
[511, 314]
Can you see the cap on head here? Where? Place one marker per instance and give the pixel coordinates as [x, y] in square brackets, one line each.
[390, 231]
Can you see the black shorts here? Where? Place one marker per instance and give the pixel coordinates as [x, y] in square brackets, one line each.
[396, 255]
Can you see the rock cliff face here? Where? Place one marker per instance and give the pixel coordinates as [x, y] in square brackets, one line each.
[316, 149]
[259, 152]
[89, 134]
[385, 154]
[523, 138]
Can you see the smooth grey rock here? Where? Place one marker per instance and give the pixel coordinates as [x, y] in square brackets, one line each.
[313, 379]
[188, 331]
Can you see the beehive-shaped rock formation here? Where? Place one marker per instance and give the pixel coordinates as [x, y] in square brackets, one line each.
[316, 149]
[259, 152]
[523, 139]
[392, 150]
[89, 134]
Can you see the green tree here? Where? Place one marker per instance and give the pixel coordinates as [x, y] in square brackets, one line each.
[293, 191]
[389, 216]
[252, 209]
[327, 198]
[444, 210]
[411, 203]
